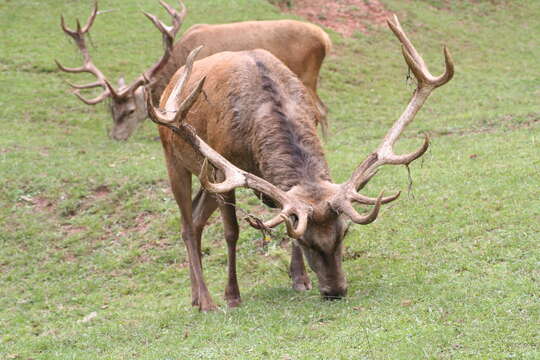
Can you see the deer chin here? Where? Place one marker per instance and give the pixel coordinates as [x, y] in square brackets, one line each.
[327, 267]
[119, 134]
[122, 131]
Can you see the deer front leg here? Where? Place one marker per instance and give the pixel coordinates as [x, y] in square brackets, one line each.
[297, 270]
[228, 215]
[181, 186]
[204, 204]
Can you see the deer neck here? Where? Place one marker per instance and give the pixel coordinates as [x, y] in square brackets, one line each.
[165, 73]
[287, 151]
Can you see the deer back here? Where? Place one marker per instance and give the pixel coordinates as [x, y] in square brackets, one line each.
[255, 112]
[300, 46]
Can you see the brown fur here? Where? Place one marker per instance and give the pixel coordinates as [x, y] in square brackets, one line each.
[299, 45]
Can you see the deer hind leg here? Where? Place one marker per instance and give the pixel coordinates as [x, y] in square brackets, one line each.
[181, 187]
[228, 215]
[297, 270]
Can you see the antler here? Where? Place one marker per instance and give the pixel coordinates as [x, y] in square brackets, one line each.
[384, 154]
[234, 177]
[169, 32]
[88, 66]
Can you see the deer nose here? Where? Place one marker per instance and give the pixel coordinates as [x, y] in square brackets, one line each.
[334, 294]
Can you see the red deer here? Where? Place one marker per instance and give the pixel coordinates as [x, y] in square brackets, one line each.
[253, 128]
[300, 46]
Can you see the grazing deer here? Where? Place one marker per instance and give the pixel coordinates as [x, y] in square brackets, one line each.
[301, 46]
[254, 126]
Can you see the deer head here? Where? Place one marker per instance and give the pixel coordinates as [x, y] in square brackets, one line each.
[127, 104]
[315, 211]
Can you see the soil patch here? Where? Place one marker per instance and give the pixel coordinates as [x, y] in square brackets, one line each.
[101, 191]
[72, 229]
[344, 16]
[143, 222]
[39, 202]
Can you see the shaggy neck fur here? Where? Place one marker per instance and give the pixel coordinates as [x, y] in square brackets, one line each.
[284, 141]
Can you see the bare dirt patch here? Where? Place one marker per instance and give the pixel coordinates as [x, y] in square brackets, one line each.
[162, 244]
[44, 204]
[343, 16]
[143, 222]
[101, 191]
[39, 202]
[69, 229]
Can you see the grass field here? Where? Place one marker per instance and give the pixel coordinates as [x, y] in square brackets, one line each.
[88, 225]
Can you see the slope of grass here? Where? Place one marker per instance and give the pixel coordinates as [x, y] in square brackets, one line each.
[88, 225]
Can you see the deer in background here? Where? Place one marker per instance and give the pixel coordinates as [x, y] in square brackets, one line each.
[254, 128]
[301, 46]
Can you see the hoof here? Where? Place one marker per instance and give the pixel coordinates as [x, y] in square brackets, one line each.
[207, 307]
[301, 284]
[232, 303]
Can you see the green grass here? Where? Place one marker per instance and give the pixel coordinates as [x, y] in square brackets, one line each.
[451, 271]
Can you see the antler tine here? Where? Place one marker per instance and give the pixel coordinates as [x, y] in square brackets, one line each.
[80, 30]
[355, 217]
[78, 37]
[416, 62]
[284, 216]
[187, 70]
[426, 84]
[169, 32]
[234, 177]
[93, 101]
[88, 66]
[396, 28]
[65, 28]
[84, 86]
[178, 17]
[161, 26]
[186, 104]
[384, 154]
[70, 69]
[91, 19]
[230, 183]
[300, 229]
[366, 200]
